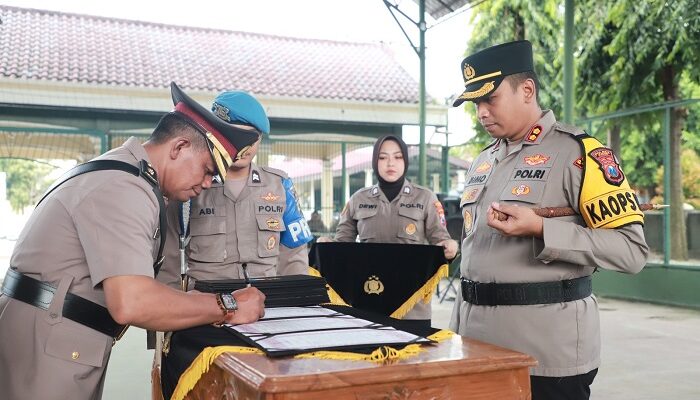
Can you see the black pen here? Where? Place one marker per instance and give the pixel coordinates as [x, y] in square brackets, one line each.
[245, 274]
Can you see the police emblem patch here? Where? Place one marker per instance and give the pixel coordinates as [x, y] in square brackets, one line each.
[271, 242]
[270, 197]
[483, 167]
[273, 223]
[534, 134]
[537, 159]
[608, 164]
[373, 285]
[579, 163]
[469, 72]
[468, 221]
[221, 112]
[520, 190]
[410, 228]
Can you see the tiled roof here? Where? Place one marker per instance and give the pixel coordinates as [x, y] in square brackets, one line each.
[61, 47]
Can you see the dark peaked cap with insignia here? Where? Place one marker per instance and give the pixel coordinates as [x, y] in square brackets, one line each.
[227, 142]
[485, 70]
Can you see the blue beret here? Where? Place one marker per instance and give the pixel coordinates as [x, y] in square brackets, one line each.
[240, 107]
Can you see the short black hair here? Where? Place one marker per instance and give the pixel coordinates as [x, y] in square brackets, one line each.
[516, 79]
[173, 124]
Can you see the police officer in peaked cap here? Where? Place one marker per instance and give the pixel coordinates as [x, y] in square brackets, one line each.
[526, 280]
[83, 267]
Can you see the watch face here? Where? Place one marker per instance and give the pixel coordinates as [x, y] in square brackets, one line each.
[229, 302]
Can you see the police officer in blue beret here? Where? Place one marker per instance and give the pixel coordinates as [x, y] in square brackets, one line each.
[249, 223]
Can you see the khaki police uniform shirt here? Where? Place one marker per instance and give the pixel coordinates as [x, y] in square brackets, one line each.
[95, 226]
[413, 217]
[226, 231]
[563, 337]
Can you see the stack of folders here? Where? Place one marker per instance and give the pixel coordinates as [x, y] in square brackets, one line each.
[279, 291]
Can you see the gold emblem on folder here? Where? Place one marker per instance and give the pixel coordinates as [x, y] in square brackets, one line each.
[373, 285]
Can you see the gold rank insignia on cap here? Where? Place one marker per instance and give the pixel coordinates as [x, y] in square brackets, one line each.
[484, 71]
[468, 72]
[373, 285]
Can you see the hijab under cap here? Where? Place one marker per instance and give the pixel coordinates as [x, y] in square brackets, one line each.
[390, 189]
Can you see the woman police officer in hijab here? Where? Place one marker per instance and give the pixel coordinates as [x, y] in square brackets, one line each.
[395, 211]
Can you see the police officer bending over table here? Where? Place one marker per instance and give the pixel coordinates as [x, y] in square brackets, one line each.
[83, 266]
[395, 211]
[251, 220]
[526, 280]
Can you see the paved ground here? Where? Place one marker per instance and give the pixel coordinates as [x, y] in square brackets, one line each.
[650, 352]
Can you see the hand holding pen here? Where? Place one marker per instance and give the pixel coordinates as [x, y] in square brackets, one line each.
[245, 274]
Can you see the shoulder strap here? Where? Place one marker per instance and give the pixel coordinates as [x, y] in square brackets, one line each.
[183, 213]
[144, 170]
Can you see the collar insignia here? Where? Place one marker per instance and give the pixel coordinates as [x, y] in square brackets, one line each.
[256, 177]
[375, 190]
[533, 134]
[407, 189]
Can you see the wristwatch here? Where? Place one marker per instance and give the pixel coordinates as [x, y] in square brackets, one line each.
[227, 303]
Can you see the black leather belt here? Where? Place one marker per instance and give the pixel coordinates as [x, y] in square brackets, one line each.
[40, 294]
[514, 294]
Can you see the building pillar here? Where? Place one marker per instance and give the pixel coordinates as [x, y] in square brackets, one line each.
[327, 192]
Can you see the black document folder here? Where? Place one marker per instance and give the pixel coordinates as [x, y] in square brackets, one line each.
[280, 291]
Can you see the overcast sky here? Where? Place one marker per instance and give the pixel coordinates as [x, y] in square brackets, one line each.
[347, 20]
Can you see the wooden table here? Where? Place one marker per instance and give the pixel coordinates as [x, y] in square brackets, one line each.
[458, 368]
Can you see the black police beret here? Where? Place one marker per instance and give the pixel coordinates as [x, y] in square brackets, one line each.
[227, 142]
[485, 70]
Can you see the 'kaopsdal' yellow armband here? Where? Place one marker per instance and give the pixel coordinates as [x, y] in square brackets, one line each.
[606, 199]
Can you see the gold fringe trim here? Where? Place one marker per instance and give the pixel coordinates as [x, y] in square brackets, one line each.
[382, 354]
[201, 365]
[441, 335]
[425, 293]
[332, 294]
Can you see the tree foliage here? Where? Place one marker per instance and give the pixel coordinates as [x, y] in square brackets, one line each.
[26, 181]
[540, 22]
[637, 52]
